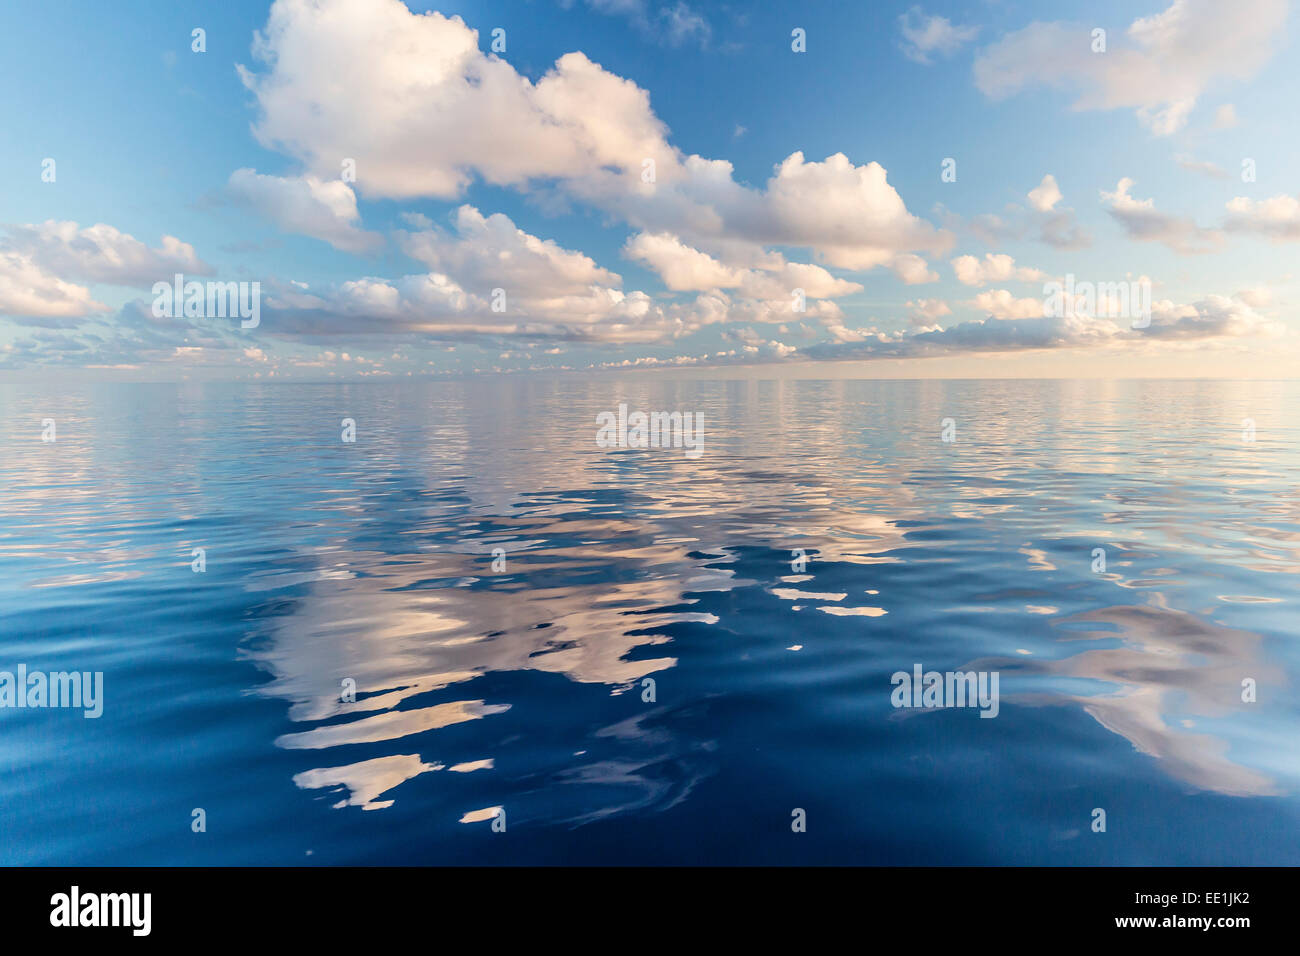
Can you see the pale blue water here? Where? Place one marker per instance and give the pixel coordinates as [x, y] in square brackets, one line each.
[522, 688]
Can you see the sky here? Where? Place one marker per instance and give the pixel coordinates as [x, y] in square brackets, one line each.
[815, 188]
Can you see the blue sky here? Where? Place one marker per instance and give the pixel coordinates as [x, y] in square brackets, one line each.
[523, 170]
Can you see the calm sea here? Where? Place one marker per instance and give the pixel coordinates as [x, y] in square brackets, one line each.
[563, 653]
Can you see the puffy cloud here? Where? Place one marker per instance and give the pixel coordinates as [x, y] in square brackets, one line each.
[719, 307]
[780, 281]
[1045, 195]
[753, 344]
[100, 253]
[912, 269]
[993, 268]
[685, 268]
[1159, 68]
[422, 112]
[413, 101]
[35, 297]
[681, 267]
[432, 306]
[1277, 218]
[849, 214]
[925, 312]
[488, 252]
[414, 303]
[41, 266]
[322, 209]
[546, 293]
[839, 332]
[1001, 304]
[1143, 222]
[1212, 317]
[924, 35]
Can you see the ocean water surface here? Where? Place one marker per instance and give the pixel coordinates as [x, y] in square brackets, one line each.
[498, 589]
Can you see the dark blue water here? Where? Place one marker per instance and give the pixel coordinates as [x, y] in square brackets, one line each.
[522, 687]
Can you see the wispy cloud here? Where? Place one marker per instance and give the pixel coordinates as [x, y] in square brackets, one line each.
[1143, 222]
[1158, 67]
[927, 36]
